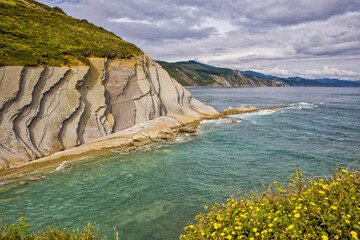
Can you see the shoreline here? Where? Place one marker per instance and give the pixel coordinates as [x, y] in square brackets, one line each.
[165, 128]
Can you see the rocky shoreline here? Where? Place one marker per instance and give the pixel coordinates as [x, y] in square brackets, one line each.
[136, 138]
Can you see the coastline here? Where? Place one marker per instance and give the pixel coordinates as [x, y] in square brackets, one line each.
[165, 128]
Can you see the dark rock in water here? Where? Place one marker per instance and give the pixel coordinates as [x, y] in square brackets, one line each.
[187, 130]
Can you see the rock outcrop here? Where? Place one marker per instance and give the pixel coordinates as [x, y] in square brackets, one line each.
[44, 110]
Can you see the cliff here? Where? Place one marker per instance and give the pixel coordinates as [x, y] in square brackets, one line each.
[67, 83]
[44, 110]
[193, 73]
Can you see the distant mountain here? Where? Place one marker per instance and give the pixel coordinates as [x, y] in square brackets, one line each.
[257, 74]
[192, 73]
[299, 81]
[338, 83]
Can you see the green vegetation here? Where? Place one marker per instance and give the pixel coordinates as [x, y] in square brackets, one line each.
[193, 73]
[34, 34]
[21, 232]
[306, 209]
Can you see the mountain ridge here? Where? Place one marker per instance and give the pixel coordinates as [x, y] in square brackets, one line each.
[193, 73]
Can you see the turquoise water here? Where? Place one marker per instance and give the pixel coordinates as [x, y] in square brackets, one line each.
[154, 195]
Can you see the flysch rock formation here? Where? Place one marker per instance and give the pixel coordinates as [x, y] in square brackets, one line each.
[44, 110]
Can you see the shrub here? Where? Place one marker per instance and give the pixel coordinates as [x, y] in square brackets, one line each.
[306, 209]
[21, 232]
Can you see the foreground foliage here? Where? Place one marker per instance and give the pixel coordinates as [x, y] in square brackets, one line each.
[21, 232]
[306, 209]
[32, 33]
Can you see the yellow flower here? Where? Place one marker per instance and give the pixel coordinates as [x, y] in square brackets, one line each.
[257, 234]
[344, 171]
[251, 238]
[321, 192]
[255, 229]
[233, 232]
[222, 234]
[312, 204]
[270, 225]
[324, 237]
[297, 215]
[353, 234]
[275, 219]
[347, 221]
[191, 226]
[333, 207]
[336, 237]
[264, 232]
[291, 227]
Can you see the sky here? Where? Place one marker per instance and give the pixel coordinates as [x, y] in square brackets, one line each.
[307, 38]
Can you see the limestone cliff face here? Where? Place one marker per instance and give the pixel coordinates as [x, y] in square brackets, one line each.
[44, 110]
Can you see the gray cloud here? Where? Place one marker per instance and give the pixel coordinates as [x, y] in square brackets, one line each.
[313, 37]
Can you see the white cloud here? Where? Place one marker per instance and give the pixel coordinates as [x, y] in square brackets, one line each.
[128, 20]
[324, 72]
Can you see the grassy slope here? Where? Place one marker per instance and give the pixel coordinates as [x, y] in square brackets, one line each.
[35, 34]
[193, 73]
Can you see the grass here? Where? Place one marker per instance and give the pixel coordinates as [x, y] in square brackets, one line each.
[34, 34]
[305, 209]
[21, 232]
[192, 73]
[188, 73]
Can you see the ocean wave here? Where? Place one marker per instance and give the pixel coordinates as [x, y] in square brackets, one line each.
[260, 112]
[216, 121]
[61, 166]
[305, 105]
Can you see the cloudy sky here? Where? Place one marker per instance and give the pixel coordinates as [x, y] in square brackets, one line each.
[307, 38]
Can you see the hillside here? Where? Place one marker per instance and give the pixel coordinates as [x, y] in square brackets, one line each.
[193, 73]
[35, 34]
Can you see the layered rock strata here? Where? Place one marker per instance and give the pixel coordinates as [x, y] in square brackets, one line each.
[44, 110]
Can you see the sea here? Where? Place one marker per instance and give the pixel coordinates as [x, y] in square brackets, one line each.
[154, 195]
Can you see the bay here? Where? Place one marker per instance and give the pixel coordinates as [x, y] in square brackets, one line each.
[153, 195]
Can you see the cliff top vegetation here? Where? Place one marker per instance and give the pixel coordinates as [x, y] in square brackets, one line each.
[35, 34]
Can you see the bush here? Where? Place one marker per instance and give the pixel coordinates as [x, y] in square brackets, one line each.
[306, 209]
[21, 232]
